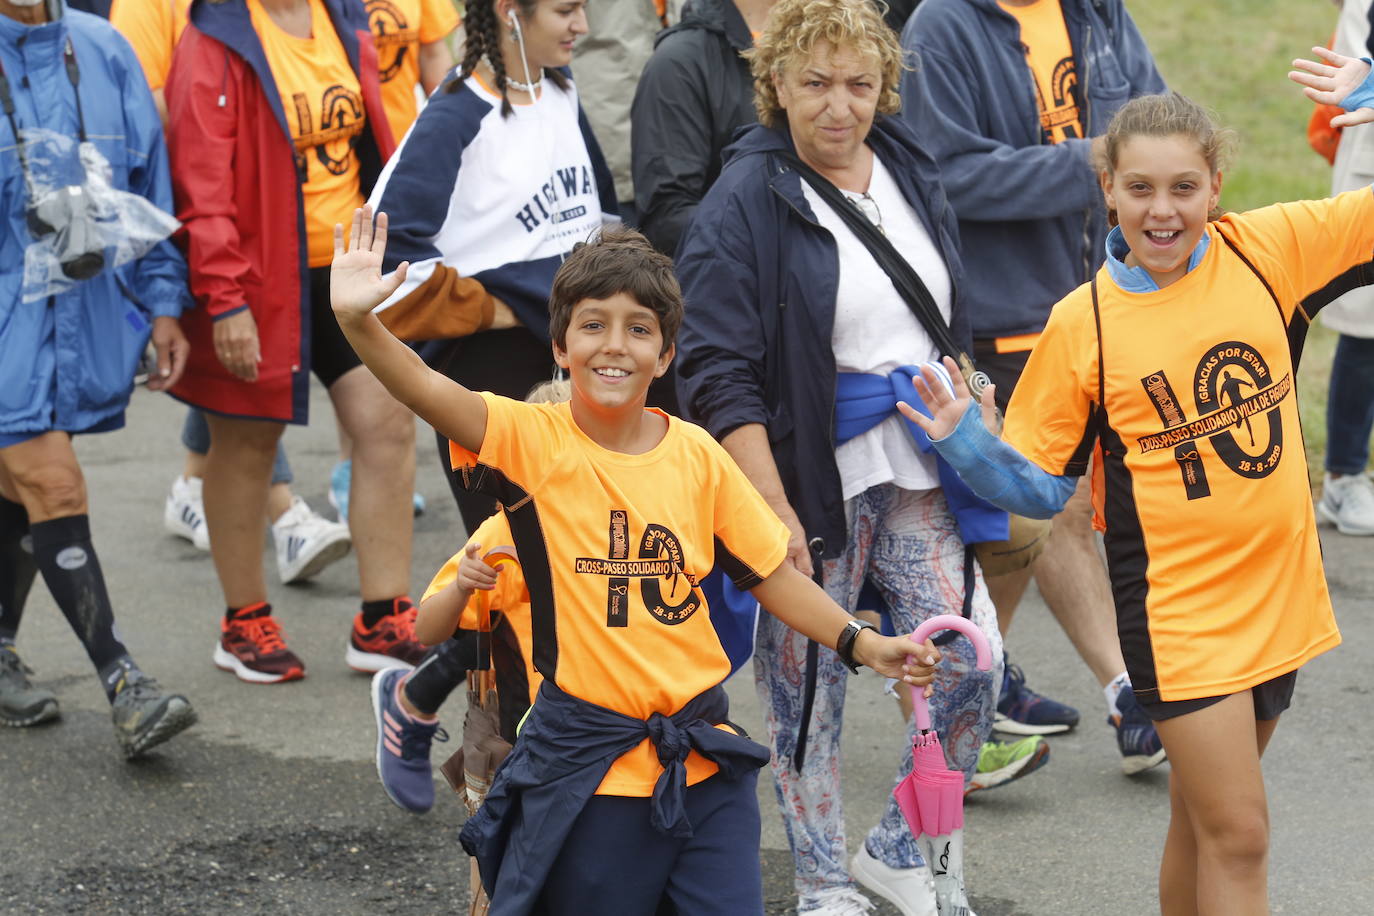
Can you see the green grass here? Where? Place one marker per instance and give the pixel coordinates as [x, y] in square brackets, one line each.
[1233, 56]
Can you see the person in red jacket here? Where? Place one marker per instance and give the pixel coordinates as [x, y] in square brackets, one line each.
[277, 132]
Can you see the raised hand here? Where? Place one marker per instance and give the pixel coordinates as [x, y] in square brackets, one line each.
[946, 409]
[1330, 82]
[356, 284]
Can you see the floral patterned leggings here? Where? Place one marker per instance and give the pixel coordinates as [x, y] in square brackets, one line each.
[906, 543]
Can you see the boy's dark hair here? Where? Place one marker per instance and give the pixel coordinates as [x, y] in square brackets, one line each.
[616, 260]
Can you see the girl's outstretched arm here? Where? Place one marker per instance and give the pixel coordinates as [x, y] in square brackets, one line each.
[1338, 80]
[356, 287]
[992, 468]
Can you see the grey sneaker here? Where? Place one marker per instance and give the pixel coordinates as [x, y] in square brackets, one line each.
[21, 703]
[1348, 503]
[144, 716]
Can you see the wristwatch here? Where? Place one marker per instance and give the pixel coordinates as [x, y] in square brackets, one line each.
[845, 644]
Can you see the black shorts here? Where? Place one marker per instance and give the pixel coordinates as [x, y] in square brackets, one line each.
[1004, 369]
[330, 353]
[1272, 698]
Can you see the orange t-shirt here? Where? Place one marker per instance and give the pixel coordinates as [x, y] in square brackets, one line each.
[1050, 56]
[510, 596]
[153, 28]
[324, 109]
[399, 27]
[1211, 539]
[612, 547]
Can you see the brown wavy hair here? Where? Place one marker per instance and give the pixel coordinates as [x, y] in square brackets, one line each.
[793, 30]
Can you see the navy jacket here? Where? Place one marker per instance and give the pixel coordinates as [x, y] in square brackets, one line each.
[759, 275]
[565, 749]
[1031, 212]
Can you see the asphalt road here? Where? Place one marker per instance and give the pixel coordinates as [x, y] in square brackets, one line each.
[271, 803]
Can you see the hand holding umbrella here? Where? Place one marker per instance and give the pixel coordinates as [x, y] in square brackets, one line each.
[931, 797]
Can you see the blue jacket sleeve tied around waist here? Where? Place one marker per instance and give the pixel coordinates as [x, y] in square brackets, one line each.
[565, 749]
[864, 400]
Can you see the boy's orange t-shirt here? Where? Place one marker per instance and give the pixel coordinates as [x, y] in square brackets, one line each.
[324, 109]
[1211, 537]
[612, 547]
[510, 596]
[1050, 56]
[399, 27]
[153, 28]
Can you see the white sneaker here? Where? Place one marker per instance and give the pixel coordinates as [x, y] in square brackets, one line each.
[307, 543]
[184, 512]
[839, 901]
[1348, 503]
[910, 890]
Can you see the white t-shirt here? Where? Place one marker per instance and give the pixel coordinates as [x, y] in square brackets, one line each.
[525, 189]
[876, 332]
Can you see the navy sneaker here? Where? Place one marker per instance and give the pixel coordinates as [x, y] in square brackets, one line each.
[403, 745]
[1135, 736]
[1022, 711]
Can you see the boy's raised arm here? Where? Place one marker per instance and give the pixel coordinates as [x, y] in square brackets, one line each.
[356, 287]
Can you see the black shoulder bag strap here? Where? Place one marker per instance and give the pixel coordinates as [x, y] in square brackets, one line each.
[907, 282]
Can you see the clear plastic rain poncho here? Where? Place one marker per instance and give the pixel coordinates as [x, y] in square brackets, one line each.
[79, 223]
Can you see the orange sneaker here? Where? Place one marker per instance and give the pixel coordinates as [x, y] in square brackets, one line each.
[389, 644]
[253, 646]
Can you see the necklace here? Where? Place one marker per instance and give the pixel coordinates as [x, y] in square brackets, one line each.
[527, 88]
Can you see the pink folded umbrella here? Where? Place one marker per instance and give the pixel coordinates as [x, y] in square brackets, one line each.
[931, 797]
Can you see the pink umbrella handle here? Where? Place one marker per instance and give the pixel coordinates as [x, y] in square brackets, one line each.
[924, 632]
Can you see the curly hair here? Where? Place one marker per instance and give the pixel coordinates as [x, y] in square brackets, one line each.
[484, 40]
[796, 27]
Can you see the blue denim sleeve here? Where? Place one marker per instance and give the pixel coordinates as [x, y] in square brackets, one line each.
[1362, 96]
[999, 473]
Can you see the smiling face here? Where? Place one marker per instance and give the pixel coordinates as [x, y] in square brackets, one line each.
[549, 28]
[830, 99]
[1162, 190]
[612, 350]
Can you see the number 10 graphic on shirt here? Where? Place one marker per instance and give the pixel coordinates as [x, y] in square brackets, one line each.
[669, 593]
[1236, 394]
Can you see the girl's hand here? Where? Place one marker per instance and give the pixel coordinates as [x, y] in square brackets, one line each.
[236, 344]
[356, 284]
[1329, 83]
[888, 656]
[946, 409]
[473, 571]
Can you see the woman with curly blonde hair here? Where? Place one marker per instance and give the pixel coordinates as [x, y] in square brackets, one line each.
[790, 320]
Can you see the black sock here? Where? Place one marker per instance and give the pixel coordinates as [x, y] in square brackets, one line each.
[247, 612]
[17, 568]
[62, 549]
[374, 611]
[437, 675]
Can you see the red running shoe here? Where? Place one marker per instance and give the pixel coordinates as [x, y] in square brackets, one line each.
[253, 646]
[390, 644]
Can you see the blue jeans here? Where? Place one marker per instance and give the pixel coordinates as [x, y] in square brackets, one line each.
[1350, 406]
[195, 435]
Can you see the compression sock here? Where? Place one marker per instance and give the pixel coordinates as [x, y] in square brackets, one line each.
[17, 568]
[116, 674]
[64, 554]
[1113, 690]
[439, 673]
[374, 611]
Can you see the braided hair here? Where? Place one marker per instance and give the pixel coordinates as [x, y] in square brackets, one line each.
[484, 40]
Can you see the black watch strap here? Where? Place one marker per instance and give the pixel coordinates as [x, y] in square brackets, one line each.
[845, 644]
